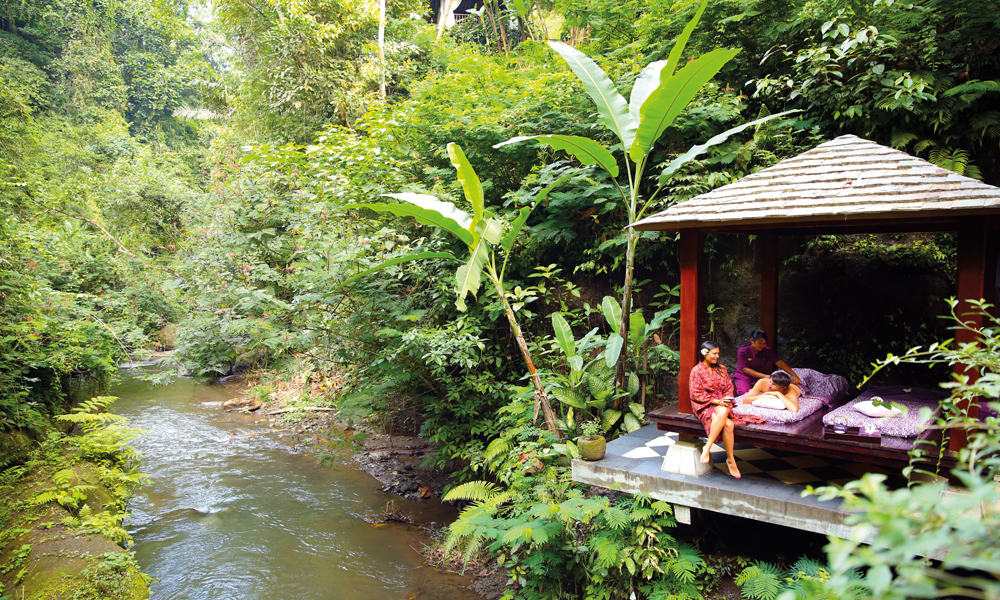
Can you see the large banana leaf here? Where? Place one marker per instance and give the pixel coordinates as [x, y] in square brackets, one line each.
[586, 150]
[469, 275]
[490, 230]
[696, 151]
[426, 210]
[391, 262]
[643, 86]
[610, 104]
[682, 40]
[671, 97]
[614, 349]
[564, 334]
[470, 182]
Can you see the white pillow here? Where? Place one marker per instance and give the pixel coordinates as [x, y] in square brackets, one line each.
[769, 402]
[870, 410]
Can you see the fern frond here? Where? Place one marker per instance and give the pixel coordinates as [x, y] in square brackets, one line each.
[496, 448]
[476, 491]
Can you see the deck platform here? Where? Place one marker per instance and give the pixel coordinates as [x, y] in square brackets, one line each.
[805, 437]
[770, 490]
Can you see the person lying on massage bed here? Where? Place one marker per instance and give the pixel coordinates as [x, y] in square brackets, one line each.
[779, 385]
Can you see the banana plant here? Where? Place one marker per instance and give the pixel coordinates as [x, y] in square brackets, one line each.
[589, 386]
[482, 232]
[659, 96]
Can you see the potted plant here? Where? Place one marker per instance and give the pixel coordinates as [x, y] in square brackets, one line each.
[591, 444]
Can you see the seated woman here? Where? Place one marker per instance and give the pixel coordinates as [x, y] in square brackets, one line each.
[755, 360]
[778, 385]
[712, 400]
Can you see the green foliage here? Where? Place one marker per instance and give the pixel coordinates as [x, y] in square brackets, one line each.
[554, 540]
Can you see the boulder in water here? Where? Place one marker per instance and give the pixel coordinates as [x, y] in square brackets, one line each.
[237, 404]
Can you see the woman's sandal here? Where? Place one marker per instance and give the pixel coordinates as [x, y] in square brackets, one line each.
[732, 468]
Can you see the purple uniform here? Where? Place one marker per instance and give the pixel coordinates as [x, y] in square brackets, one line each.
[762, 362]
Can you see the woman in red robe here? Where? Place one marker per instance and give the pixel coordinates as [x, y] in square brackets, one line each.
[712, 400]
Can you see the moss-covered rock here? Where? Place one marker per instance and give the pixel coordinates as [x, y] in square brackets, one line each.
[60, 535]
[15, 447]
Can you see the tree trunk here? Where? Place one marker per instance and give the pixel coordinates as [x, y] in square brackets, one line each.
[541, 398]
[626, 306]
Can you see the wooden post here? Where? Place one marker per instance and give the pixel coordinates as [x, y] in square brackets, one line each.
[690, 253]
[971, 275]
[769, 261]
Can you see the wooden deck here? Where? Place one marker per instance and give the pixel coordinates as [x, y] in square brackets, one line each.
[806, 437]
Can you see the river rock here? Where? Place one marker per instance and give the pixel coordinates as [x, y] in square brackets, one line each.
[236, 404]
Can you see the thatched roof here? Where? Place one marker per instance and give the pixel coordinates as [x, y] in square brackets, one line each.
[846, 180]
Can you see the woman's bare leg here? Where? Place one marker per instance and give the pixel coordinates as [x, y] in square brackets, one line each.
[729, 441]
[719, 419]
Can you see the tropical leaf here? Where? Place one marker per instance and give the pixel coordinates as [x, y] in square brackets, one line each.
[491, 229]
[643, 86]
[609, 418]
[575, 363]
[427, 210]
[662, 316]
[391, 262]
[631, 423]
[585, 150]
[612, 312]
[508, 240]
[671, 97]
[632, 385]
[696, 151]
[636, 409]
[613, 349]
[569, 397]
[469, 275]
[636, 328]
[470, 183]
[564, 334]
[600, 386]
[610, 104]
[675, 53]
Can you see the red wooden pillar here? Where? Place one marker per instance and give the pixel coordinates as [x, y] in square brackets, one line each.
[690, 254]
[971, 275]
[768, 248]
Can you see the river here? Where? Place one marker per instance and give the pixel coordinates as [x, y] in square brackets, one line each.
[238, 511]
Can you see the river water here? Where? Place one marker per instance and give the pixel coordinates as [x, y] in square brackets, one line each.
[238, 511]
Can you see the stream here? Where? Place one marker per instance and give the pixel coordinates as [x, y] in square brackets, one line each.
[239, 511]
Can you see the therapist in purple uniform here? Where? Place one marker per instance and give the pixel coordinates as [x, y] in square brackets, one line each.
[755, 361]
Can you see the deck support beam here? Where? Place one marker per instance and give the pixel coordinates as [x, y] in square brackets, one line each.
[769, 261]
[690, 259]
[971, 280]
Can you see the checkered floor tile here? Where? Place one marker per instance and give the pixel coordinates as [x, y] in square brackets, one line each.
[789, 468]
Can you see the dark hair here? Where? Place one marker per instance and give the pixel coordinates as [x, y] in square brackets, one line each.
[781, 379]
[756, 335]
[707, 347]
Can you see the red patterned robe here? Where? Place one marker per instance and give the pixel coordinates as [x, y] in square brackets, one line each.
[708, 384]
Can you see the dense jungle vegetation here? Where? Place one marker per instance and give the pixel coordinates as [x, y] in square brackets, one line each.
[214, 177]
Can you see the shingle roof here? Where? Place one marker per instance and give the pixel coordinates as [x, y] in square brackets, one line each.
[846, 179]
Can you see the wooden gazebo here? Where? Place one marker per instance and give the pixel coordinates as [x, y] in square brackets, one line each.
[848, 185]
